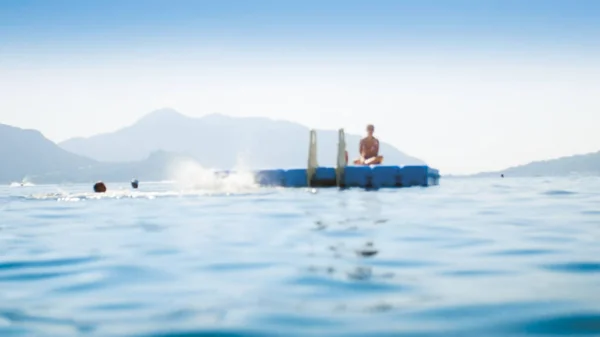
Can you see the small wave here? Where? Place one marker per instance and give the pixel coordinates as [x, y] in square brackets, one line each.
[467, 273]
[190, 175]
[21, 184]
[568, 324]
[188, 180]
[574, 267]
[26, 322]
[76, 197]
[522, 252]
[558, 192]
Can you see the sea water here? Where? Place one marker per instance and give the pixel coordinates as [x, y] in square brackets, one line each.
[471, 257]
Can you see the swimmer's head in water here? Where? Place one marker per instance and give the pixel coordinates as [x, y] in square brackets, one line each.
[99, 187]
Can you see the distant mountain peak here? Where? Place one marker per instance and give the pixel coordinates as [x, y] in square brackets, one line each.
[28, 152]
[163, 115]
[215, 116]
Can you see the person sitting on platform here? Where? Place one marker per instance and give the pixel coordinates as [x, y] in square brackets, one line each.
[369, 149]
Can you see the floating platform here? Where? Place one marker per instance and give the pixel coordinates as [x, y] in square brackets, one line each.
[344, 176]
[377, 176]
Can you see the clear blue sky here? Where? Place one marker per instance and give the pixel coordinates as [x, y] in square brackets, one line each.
[466, 85]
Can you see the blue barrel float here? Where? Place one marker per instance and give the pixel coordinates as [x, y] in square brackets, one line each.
[377, 176]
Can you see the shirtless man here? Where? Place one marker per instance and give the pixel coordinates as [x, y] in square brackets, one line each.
[369, 149]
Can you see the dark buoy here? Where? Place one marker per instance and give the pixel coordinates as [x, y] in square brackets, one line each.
[99, 187]
[135, 183]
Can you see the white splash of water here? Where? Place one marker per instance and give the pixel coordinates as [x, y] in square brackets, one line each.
[186, 177]
[22, 184]
[189, 175]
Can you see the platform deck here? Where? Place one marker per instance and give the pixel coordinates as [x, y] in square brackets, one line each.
[377, 176]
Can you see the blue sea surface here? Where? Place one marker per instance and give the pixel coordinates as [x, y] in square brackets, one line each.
[471, 257]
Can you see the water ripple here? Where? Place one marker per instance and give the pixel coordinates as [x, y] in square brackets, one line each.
[523, 252]
[11, 265]
[558, 192]
[570, 324]
[574, 267]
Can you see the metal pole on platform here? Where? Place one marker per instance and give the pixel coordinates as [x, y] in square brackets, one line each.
[342, 159]
[312, 158]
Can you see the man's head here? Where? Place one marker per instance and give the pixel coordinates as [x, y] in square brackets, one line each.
[370, 129]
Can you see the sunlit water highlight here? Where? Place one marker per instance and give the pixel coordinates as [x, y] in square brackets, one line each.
[471, 257]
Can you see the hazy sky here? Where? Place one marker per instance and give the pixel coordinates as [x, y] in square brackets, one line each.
[465, 85]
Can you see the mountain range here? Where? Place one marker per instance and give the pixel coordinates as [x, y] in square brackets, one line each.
[581, 164]
[29, 156]
[220, 141]
[147, 149]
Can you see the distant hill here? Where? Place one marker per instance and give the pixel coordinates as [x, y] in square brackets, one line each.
[28, 156]
[219, 141]
[27, 153]
[583, 164]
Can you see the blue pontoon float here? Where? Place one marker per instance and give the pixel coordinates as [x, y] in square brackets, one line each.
[344, 176]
